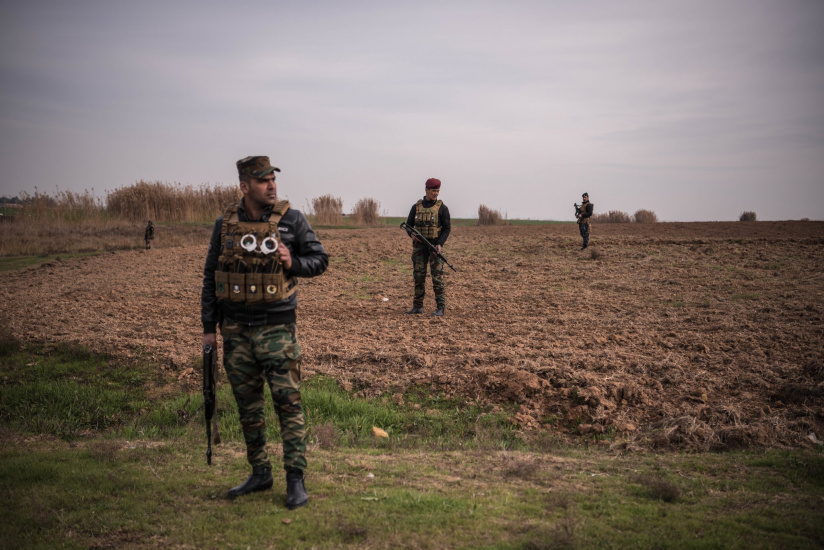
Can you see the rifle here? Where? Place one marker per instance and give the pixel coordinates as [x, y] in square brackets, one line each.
[410, 230]
[210, 397]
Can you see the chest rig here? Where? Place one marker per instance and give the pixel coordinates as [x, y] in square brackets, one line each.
[586, 221]
[249, 269]
[426, 219]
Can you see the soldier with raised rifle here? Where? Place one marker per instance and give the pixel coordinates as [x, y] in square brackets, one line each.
[259, 247]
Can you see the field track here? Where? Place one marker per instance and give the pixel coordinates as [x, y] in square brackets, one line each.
[689, 336]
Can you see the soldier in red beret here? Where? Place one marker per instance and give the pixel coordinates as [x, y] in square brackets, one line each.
[430, 216]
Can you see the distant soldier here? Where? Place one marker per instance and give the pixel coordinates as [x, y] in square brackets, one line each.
[259, 247]
[583, 214]
[430, 216]
[149, 235]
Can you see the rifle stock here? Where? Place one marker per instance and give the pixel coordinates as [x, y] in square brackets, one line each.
[410, 230]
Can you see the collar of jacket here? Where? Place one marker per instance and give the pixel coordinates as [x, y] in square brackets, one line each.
[428, 203]
[244, 217]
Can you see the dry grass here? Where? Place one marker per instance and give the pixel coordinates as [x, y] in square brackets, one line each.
[748, 216]
[327, 210]
[69, 222]
[644, 216]
[366, 212]
[160, 201]
[487, 216]
[613, 216]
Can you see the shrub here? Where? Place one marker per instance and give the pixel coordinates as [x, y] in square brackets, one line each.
[487, 216]
[327, 210]
[645, 216]
[613, 216]
[747, 217]
[366, 212]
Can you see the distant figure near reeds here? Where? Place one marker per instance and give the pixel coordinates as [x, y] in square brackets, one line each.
[584, 213]
[430, 217]
[148, 236]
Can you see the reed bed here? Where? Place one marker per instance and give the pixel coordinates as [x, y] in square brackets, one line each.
[365, 212]
[644, 216]
[488, 216]
[613, 216]
[327, 210]
[68, 222]
[161, 201]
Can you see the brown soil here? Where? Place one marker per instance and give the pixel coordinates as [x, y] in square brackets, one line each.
[672, 335]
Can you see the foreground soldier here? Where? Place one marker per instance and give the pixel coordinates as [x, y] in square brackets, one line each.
[430, 216]
[258, 247]
[583, 218]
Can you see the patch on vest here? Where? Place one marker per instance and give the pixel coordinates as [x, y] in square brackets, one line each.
[236, 289]
[283, 229]
[272, 289]
[252, 289]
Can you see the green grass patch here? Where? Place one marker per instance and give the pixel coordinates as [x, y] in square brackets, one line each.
[745, 296]
[451, 474]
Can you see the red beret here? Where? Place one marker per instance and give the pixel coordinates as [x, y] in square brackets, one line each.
[433, 183]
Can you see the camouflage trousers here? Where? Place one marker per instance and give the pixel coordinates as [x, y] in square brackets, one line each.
[421, 256]
[584, 229]
[271, 353]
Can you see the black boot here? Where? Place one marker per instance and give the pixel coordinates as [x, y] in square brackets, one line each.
[296, 495]
[438, 312]
[416, 310]
[260, 480]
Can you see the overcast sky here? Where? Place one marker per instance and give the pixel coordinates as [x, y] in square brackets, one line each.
[695, 109]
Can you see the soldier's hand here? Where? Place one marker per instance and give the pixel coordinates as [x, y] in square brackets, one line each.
[285, 256]
[438, 248]
[415, 238]
[210, 340]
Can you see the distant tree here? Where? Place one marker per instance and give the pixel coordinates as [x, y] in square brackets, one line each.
[748, 216]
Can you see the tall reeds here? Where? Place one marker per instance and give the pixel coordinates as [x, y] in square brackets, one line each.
[327, 210]
[613, 216]
[644, 216]
[365, 212]
[488, 216]
[69, 222]
[167, 202]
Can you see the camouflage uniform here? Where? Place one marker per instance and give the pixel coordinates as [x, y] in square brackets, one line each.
[260, 338]
[271, 353]
[421, 256]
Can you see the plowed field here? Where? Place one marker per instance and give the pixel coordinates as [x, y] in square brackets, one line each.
[671, 335]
